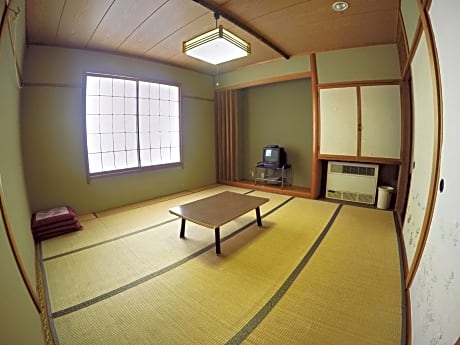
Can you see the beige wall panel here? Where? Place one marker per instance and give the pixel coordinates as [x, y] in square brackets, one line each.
[423, 147]
[18, 33]
[338, 121]
[20, 322]
[381, 121]
[409, 11]
[70, 65]
[11, 164]
[356, 64]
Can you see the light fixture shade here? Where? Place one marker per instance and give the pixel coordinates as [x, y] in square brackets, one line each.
[217, 46]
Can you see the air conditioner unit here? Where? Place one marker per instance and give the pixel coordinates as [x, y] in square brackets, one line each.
[352, 182]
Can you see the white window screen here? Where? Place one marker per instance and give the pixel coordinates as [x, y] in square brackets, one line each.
[131, 124]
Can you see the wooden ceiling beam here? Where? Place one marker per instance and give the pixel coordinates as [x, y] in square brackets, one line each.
[243, 26]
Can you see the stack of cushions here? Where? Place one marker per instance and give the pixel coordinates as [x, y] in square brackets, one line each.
[54, 222]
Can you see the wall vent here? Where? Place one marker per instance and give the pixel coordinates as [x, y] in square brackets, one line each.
[354, 182]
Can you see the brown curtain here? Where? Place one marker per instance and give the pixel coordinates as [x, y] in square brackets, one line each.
[227, 135]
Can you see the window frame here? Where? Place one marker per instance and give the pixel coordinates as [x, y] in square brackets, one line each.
[137, 168]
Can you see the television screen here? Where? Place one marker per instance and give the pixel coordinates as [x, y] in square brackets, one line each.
[274, 156]
[271, 155]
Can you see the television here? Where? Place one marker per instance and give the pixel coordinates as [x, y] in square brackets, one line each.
[274, 156]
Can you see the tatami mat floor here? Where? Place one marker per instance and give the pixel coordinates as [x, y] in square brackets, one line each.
[315, 273]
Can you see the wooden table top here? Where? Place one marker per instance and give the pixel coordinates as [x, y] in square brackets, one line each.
[216, 210]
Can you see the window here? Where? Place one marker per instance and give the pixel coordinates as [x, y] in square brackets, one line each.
[131, 124]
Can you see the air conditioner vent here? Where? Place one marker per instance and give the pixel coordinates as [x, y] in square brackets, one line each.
[350, 196]
[352, 182]
[352, 169]
[366, 198]
[334, 194]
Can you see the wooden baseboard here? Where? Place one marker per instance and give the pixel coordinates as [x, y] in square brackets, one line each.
[301, 192]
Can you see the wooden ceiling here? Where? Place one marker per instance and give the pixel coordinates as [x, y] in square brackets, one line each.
[155, 29]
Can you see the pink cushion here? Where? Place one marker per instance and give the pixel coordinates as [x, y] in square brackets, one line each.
[52, 216]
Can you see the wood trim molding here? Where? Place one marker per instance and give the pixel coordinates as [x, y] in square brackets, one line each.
[406, 332]
[403, 46]
[427, 4]
[359, 121]
[63, 85]
[265, 81]
[14, 248]
[435, 170]
[359, 159]
[359, 83]
[3, 20]
[403, 255]
[206, 99]
[417, 36]
[406, 148]
[227, 135]
[315, 184]
[408, 319]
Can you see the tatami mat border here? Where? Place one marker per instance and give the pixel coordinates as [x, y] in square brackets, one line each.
[135, 232]
[150, 276]
[159, 199]
[265, 310]
[44, 283]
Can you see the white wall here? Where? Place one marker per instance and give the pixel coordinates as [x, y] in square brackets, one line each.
[435, 292]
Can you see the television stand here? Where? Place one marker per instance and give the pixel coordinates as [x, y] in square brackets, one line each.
[264, 173]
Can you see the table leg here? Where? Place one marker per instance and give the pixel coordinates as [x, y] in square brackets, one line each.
[217, 235]
[182, 228]
[259, 220]
[282, 177]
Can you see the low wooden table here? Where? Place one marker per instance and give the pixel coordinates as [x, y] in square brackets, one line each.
[214, 211]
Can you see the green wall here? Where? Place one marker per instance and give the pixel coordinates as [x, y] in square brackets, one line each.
[377, 62]
[19, 320]
[53, 127]
[282, 114]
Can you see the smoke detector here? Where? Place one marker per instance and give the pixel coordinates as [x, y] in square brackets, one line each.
[340, 6]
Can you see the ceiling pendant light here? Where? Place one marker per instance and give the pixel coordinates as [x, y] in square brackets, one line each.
[216, 46]
[340, 6]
